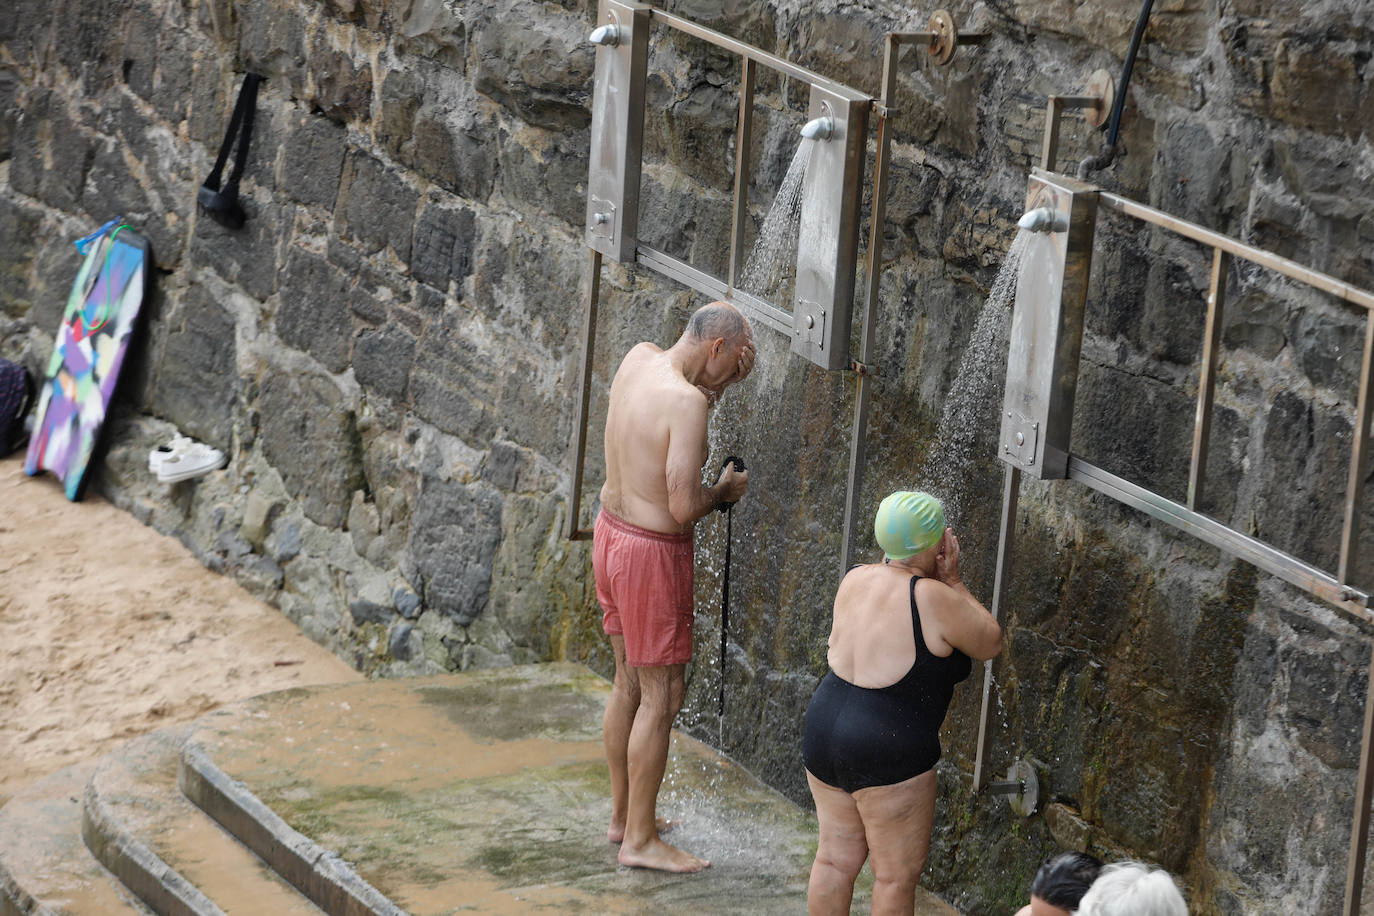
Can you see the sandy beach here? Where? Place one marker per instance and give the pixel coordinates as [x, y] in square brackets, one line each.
[109, 629]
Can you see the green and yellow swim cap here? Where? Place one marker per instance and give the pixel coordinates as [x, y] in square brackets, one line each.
[908, 522]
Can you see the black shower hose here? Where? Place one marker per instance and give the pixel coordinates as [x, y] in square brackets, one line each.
[1108, 152]
[725, 584]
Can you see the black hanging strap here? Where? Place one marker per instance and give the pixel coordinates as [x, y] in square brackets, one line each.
[222, 204]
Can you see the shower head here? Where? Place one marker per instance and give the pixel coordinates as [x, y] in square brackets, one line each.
[1043, 219]
[818, 129]
[608, 35]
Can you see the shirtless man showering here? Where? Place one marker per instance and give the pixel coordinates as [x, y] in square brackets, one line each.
[642, 556]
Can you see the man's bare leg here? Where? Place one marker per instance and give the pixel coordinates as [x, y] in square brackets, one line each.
[661, 694]
[615, 731]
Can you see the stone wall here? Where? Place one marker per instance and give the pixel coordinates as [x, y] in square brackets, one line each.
[388, 352]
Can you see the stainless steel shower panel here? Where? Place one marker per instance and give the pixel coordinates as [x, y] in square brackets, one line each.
[617, 130]
[828, 237]
[1047, 328]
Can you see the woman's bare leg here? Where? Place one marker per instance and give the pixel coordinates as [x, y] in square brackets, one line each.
[839, 854]
[897, 821]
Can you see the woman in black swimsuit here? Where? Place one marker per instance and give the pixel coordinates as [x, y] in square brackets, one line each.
[905, 632]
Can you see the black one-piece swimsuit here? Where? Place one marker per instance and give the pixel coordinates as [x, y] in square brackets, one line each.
[857, 737]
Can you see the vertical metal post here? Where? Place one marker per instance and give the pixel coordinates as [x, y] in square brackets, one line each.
[1049, 153]
[583, 397]
[1359, 829]
[1011, 494]
[744, 141]
[1202, 428]
[858, 450]
[1354, 490]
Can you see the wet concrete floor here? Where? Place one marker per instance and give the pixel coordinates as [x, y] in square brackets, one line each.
[487, 792]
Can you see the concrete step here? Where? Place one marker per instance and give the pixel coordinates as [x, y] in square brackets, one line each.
[483, 792]
[166, 850]
[44, 866]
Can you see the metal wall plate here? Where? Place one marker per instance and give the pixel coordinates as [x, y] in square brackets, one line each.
[617, 133]
[1047, 328]
[601, 221]
[809, 325]
[1022, 439]
[828, 239]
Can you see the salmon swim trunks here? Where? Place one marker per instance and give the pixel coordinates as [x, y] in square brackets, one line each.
[644, 584]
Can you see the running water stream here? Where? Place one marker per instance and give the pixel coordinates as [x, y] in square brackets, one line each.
[972, 406]
[774, 257]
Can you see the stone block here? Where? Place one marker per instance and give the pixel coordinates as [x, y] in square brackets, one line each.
[142, 35]
[247, 256]
[52, 153]
[312, 161]
[404, 642]
[9, 111]
[382, 360]
[1175, 310]
[444, 238]
[1255, 321]
[536, 64]
[406, 602]
[453, 540]
[19, 240]
[502, 467]
[87, 42]
[375, 208]
[455, 153]
[258, 514]
[343, 89]
[1195, 171]
[401, 93]
[435, 31]
[310, 436]
[26, 25]
[1300, 502]
[1329, 343]
[195, 382]
[453, 385]
[313, 314]
[272, 43]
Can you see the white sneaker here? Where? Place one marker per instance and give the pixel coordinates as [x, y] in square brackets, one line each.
[178, 445]
[195, 459]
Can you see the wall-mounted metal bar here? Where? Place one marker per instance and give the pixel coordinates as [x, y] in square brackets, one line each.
[1352, 600]
[1049, 151]
[584, 393]
[734, 45]
[858, 443]
[1276, 263]
[1211, 346]
[1354, 490]
[1011, 493]
[1359, 828]
[744, 141]
[708, 285]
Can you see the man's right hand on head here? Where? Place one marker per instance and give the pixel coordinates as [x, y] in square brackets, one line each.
[746, 361]
[732, 484]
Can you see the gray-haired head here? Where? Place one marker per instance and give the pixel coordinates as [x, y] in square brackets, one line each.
[716, 319]
[1133, 889]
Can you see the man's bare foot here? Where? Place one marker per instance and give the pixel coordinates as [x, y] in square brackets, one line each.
[658, 854]
[662, 824]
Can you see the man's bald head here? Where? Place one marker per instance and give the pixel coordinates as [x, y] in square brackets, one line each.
[715, 320]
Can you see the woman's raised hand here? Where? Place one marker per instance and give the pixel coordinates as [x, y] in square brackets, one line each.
[947, 559]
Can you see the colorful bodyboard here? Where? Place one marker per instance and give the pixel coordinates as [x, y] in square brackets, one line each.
[92, 341]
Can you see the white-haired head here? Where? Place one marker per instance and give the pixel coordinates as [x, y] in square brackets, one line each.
[1133, 889]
